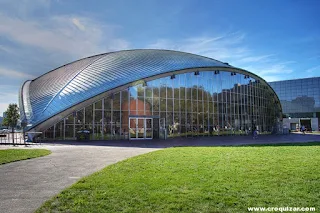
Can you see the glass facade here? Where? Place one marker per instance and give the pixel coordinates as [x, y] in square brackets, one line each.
[299, 98]
[182, 105]
[76, 82]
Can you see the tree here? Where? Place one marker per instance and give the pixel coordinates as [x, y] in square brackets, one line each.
[5, 122]
[12, 117]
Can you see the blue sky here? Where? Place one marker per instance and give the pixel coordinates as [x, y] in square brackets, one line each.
[276, 39]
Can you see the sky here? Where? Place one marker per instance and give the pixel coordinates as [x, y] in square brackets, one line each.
[276, 40]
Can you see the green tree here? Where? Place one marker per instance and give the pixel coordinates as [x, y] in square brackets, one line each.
[12, 117]
[5, 122]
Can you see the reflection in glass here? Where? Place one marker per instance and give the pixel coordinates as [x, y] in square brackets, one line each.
[211, 103]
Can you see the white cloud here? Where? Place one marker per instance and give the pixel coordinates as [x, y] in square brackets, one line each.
[270, 72]
[314, 69]
[314, 57]
[25, 7]
[8, 95]
[222, 47]
[75, 36]
[271, 78]
[5, 49]
[274, 69]
[271, 69]
[231, 48]
[41, 43]
[77, 23]
[8, 73]
[255, 58]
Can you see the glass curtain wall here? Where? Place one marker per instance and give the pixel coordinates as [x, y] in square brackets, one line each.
[193, 104]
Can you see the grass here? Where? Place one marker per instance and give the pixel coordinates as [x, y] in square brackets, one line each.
[11, 155]
[199, 179]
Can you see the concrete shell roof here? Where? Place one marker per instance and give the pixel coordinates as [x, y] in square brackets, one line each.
[78, 81]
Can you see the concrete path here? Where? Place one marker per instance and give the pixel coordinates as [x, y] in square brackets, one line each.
[25, 185]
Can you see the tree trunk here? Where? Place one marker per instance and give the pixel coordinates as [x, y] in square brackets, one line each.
[12, 135]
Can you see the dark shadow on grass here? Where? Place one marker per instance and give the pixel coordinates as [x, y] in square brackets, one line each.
[263, 140]
[156, 143]
[314, 143]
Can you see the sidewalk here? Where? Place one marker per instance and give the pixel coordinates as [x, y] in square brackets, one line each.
[25, 185]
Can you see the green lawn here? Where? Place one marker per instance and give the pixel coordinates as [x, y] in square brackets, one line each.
[199, 179]
[10, 155]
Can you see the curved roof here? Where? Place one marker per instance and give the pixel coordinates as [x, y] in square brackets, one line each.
[78, 81]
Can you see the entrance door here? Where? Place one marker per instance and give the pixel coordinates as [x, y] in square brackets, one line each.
[140, 128]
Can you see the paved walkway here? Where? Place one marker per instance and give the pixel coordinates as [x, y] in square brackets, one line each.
[25, 185]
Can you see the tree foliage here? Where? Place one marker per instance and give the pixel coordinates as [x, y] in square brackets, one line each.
[12, 116]
[5, 122]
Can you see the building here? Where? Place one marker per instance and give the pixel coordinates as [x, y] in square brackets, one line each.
[300, 100]
[145, 94]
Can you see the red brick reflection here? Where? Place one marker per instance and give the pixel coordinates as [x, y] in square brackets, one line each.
[136, 108]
